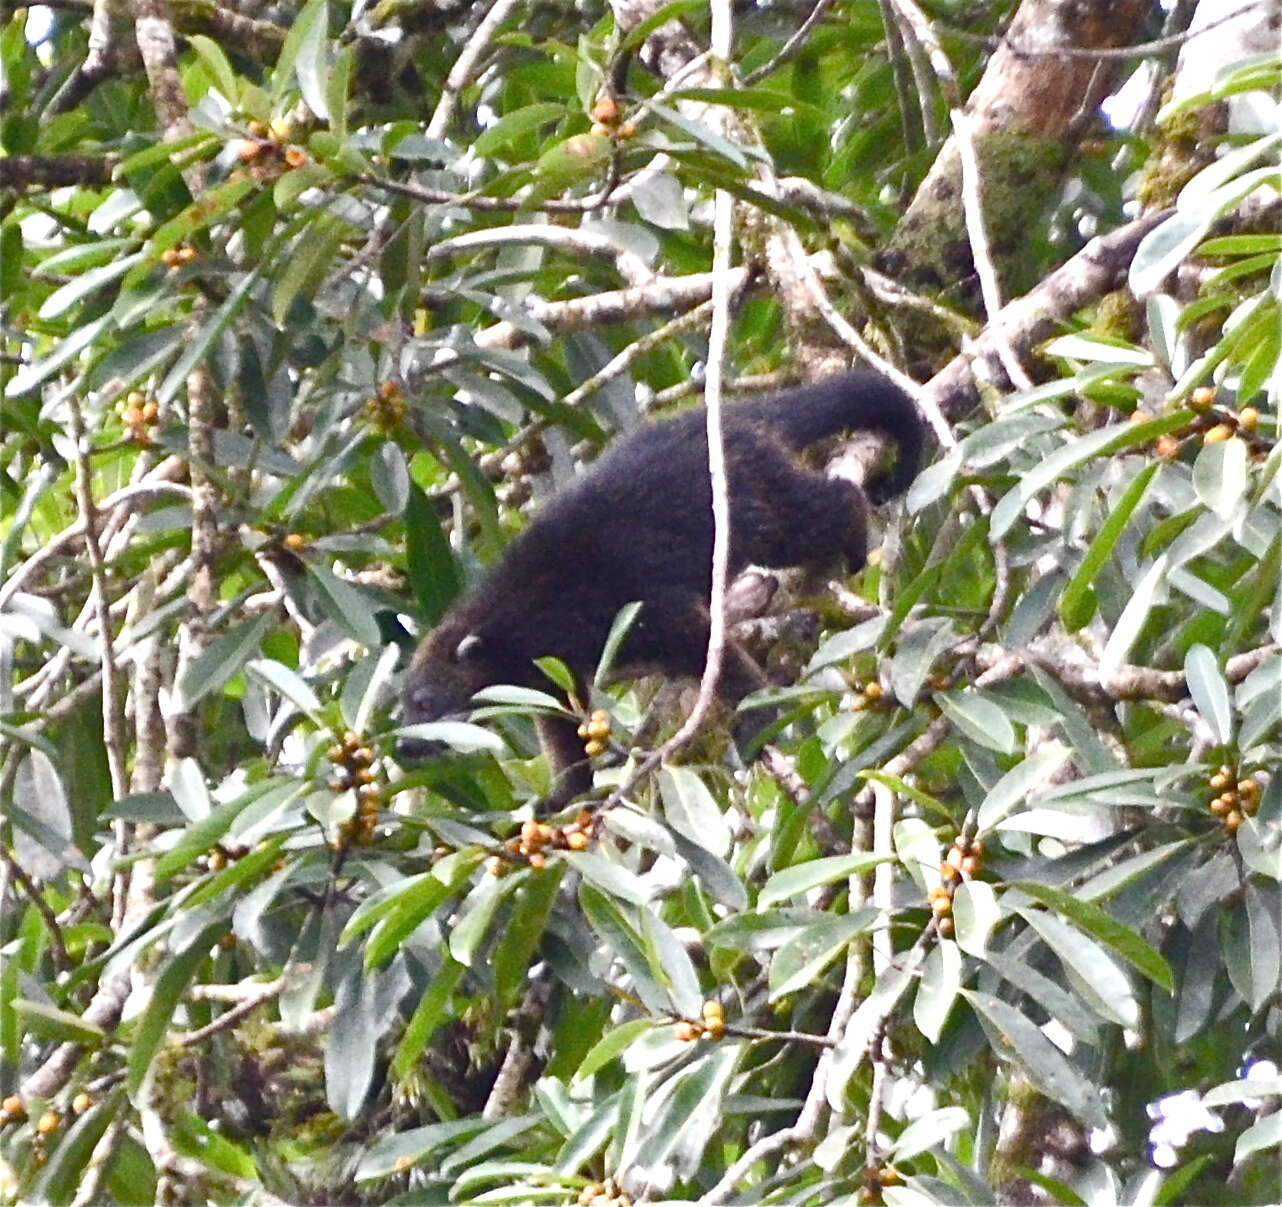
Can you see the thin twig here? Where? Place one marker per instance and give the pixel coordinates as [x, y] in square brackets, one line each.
[1140, 49]
[791, 46]
[464, 69]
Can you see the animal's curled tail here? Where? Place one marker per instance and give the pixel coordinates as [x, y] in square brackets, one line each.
[859, 401]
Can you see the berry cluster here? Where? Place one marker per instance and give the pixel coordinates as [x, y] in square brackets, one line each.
[964, 861]
[355, 763]
[1236, 798]
[535, 838]
[595, 732]
[268, 150]
[386, 409]
[1214, 424]
[712, 1027]
[140, 414]
[606, 123]
[604, 1194]
[876, 1179]
[869, 695]
[14, 1110]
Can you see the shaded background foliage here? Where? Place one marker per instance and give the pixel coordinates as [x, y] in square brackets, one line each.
[306, 307]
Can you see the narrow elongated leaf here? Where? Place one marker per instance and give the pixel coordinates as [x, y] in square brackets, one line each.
[940, 984]
[428, 1014]
[804, 957]
[429, 562]
[345, 605]
[1015, 1038]
[793, 881]
[1017, 783]
[1054, 999]
[1209, 691]
[170, 986]
[224, 657]
[1077, 603]
[979, 719]
[1090, 918]
[612, 1044]
[873, 1010]
[1099, 980]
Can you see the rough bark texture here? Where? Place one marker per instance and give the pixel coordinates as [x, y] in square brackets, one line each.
[1027, 113]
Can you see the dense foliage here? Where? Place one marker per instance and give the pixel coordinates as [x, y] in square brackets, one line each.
[292, 349]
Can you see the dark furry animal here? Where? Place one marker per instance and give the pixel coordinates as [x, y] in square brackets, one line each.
[637, 525]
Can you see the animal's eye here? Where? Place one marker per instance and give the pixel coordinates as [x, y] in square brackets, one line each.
[469, 647]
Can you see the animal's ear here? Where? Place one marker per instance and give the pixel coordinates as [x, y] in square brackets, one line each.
[471, 647]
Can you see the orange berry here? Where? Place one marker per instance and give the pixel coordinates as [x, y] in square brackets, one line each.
[1218, 434]
[1203, 398]
[294, 542]
[606, 111]
[1249, 418]
[577, 841]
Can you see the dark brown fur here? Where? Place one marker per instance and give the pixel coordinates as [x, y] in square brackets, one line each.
[637, 525]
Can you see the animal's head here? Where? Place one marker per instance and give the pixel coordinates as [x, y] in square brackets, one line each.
[455, 661]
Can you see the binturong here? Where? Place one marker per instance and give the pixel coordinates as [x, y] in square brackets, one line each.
[637, 525]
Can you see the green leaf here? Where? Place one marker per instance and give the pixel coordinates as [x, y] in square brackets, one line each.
[201, 836]
[429, 562]
[462, 736]
[1097, 978]
[311, 63]
[79, 287]
[170, 986]
[1090, 918]
[979, 719]
[614, 926]
[1014, 1037]
[975, 913]
[1068, 457]
[427, 1016]
[224, 657]
[347, 606]
[476, 914]
[852, 1047]
[1220, 475]
[1017, 783]
[515, 125]
[805, 956]
[618, 631]
[1264, 1134]
[1058, 1002]
[66, 1166]
[48, 1022]
[696, 1101]
[612, 1044]
[940, 984]
[613, 878]
[1209, 691]
[287, 682]
[803, 877]
[217, 64]
[1077, 603]
[208, 335]
[310, 258]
